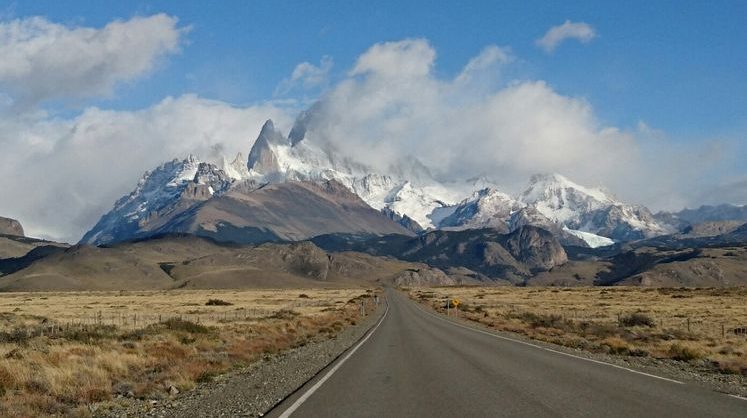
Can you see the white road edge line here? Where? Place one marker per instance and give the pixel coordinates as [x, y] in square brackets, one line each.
[739, 397]
[332, 371]
[550, 349]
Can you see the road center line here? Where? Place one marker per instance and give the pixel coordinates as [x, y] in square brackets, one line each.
[332, 371]
[548, 349]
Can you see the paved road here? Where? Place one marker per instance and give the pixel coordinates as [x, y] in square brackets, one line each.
[417, 364]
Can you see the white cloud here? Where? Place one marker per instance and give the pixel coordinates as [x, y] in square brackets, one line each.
[61, 175]
[307, 75]
[507, 133]
[44, 60]
[402, 59]
[580, 31]
[490, 57]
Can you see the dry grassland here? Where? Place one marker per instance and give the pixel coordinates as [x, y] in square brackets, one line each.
[61, 352]
[681, 324]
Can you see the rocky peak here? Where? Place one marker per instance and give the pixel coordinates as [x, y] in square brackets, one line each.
[298, 131]
[210, 175]
[10, 226]
[271, 135]
[262, 157]
[236, 169]
[562, 200]
[486, 207]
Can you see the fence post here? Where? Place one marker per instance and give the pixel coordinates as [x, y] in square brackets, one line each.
[688, 324]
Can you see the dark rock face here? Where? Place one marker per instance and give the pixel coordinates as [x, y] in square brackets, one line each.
[403, 220]
[713, 213]
[10, 227]
[537, 248]
[513, 257]
[213, 177]
[262, 159]
[249, 214]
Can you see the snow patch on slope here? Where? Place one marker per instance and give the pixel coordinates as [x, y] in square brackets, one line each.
[592, 240]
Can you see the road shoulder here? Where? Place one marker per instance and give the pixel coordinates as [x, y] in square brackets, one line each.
[678, 371]
[256, 389]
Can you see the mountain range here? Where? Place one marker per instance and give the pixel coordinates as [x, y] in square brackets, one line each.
[297, 186]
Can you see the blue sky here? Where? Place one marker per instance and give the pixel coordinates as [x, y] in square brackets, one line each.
[646, 98]
[678, 65]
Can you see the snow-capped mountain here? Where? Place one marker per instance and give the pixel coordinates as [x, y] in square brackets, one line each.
[485, 208]
[552, 201]
[589, 210]
[406, 193]
[406, 190]
[187, 179]
[562, 200]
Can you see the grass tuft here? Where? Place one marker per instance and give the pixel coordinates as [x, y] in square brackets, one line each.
[637, 319]
[217, 302]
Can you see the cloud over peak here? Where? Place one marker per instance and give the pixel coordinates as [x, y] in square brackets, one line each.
[580, 31]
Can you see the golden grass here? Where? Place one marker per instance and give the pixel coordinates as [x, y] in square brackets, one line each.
[135, 309]
[53, 362]
[680, 324]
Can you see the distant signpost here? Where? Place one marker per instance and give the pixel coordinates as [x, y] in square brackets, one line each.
[452, 302]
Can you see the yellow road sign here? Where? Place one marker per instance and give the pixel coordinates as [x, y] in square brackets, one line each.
[455, 302]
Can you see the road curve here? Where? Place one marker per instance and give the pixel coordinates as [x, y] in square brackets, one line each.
[417, 364]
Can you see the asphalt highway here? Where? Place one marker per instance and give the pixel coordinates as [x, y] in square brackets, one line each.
[416, 363]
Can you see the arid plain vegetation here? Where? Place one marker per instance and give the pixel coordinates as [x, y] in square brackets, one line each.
[62, 352]
[682, 324]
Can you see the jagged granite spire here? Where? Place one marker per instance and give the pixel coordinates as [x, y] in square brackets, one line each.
[262, 157]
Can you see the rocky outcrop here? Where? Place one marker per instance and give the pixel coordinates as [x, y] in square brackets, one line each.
[210, 175]
[537, 248]
[305, 259]
[425, 276]
[10, 226]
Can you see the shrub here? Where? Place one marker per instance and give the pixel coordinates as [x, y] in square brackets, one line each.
[176, 324]
[304, 296]
[684, 353]
[733, 367]
[91, 333]
[636, 319]
[285, 314]
[616, 345]
[545, 321]
[218, 302]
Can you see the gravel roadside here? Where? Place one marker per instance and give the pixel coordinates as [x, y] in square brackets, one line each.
[252, 391]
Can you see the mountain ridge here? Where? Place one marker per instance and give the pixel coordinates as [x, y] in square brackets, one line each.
[407, 194]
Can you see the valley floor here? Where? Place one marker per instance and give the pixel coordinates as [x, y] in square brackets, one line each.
[83, 353]
[241, 352]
